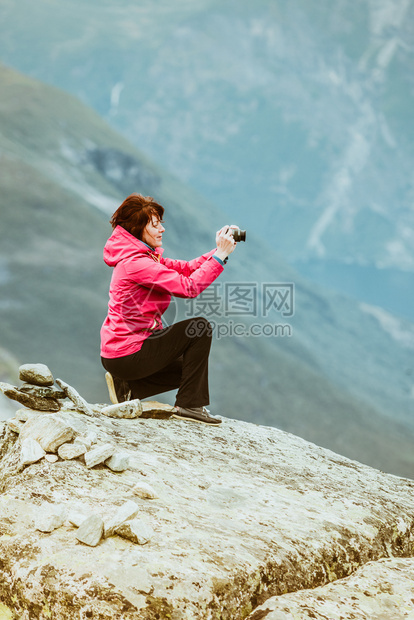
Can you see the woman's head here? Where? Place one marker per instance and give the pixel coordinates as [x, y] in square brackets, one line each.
[142, 217]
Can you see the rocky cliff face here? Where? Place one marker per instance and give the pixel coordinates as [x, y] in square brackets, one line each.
[227, 518]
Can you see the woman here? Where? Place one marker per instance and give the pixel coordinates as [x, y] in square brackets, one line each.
[142, 357]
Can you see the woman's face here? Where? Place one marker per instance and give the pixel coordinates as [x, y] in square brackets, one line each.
[152, 233]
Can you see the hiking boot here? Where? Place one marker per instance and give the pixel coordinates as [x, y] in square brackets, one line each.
[119, 390]
[196, 414]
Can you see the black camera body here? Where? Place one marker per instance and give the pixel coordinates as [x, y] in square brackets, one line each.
[238, 235]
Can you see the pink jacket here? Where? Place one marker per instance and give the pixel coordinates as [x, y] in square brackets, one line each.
[141, 288]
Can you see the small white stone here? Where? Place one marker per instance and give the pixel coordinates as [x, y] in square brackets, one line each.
[68, 451]
[84, 441]
[48, 523]
[136, 531]
[77, 518]
[144, 490]
[128, 409]
[50, 518]
[90, 531]
[99, 454]
[118, 461]
[31, 452]
[92, 436]
[51, 458]
[124, 512]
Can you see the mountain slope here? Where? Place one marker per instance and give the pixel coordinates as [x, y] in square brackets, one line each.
[305, 107]
[63, 172]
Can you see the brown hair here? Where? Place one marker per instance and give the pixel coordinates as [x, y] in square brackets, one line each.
[135, 213]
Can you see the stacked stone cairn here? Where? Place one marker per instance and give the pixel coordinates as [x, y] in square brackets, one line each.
[45, 433]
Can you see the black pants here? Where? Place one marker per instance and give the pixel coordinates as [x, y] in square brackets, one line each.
[171, 358]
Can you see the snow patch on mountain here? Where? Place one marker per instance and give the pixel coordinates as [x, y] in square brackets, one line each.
[400, 330]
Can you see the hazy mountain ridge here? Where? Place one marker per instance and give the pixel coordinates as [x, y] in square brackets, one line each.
[304, 108]
[54, 205]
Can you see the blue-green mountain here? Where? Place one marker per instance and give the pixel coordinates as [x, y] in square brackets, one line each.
[293, 116]
[340, 377]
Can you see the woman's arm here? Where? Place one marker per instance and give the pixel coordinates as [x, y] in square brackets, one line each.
[158, 277]
[186, 268]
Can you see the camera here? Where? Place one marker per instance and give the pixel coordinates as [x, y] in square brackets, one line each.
[238, 235]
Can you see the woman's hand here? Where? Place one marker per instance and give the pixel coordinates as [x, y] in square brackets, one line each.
[225, 242]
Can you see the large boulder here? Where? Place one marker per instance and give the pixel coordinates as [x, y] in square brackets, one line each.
[51, 431]
[242, 513]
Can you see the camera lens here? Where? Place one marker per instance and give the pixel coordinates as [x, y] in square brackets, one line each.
[239, 235]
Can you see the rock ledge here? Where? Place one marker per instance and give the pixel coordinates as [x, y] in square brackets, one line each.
[227, 517]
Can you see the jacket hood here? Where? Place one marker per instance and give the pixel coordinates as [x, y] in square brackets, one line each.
[122, 245]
